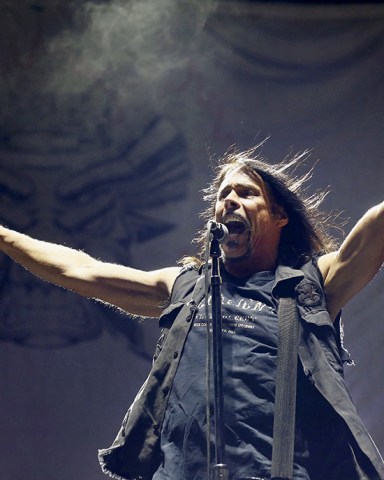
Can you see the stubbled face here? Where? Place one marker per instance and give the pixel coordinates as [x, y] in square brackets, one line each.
[244, 206]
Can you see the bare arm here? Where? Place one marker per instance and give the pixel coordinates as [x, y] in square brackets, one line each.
[135, 291]
[359, 258]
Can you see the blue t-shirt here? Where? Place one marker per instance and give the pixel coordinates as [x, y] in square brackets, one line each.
[250, 331]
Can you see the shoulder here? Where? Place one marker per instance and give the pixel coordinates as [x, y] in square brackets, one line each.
[184, 281]
[324, 262]
[165, 277]
[326, 265]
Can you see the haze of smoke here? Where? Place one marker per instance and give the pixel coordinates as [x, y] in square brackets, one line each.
[122, 48]
[127, 42]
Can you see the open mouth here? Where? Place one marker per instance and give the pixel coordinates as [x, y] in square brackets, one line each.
[236, 224]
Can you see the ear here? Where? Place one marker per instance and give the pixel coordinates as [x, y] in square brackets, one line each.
[280, 216]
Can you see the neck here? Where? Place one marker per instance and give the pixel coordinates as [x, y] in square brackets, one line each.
[246, 266]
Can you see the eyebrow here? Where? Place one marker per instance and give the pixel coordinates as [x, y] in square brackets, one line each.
[239, 185]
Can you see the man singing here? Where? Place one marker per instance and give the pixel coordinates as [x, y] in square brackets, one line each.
[277, 239]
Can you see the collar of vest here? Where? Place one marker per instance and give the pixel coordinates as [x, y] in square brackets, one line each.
[286, 279]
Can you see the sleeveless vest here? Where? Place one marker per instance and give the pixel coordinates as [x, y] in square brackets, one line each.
[135, 454]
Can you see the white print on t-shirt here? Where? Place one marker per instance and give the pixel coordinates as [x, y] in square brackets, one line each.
[236, 321]
[242, 303]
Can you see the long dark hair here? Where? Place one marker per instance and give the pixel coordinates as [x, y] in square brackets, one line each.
[307, 232]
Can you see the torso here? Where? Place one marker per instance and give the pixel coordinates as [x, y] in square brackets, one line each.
[250, 328]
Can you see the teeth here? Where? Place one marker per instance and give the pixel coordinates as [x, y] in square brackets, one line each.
[233, 218]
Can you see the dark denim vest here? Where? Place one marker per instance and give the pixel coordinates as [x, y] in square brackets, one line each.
[135, 454]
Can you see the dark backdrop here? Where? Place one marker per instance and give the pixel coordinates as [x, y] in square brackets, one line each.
[111, 113]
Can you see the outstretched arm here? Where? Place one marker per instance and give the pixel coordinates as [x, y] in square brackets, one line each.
[359, 258]
[135, 291]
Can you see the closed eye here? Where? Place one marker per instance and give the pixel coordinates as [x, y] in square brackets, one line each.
[246, 192]
[223, 193]
[250, 193]
[243, 191]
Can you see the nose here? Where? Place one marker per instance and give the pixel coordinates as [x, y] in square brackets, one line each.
[231, 201]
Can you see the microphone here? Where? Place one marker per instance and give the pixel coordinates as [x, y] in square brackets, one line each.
[218, 230]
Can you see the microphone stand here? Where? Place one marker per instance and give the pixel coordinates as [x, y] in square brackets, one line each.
[220, 469]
